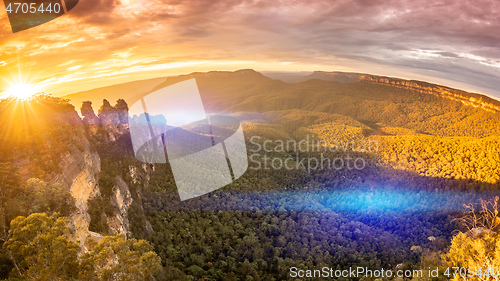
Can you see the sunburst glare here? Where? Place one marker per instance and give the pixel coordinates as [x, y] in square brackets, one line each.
[20, 87]
[21, 91]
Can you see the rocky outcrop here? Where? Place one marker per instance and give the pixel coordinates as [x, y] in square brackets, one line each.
[91, 121]
[122, 111]
[57, 146]
[81, 167]
[114, 119]
[112, 122]
[141, 176]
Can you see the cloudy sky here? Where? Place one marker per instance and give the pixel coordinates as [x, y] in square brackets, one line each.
[102, 42]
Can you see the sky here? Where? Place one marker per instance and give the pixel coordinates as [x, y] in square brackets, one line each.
[103, 42]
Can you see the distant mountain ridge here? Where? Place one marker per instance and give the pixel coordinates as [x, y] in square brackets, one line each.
[113, 92]
[132, 90]
[467, 98]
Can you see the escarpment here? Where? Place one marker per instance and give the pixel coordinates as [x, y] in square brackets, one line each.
[470, 99]
[466, 98]
[51, 142]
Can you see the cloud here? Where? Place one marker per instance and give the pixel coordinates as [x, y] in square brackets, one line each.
[453, 40]
[97, 12]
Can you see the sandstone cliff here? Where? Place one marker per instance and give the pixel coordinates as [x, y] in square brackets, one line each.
[80, 171]
[470, 99]
[57, 146]
[121, 200]
[108, 131]
[54, 147]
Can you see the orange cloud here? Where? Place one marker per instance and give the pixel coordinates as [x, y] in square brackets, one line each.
[103, 41]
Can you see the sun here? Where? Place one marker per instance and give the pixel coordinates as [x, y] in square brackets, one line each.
[20, 86]
[21, 91]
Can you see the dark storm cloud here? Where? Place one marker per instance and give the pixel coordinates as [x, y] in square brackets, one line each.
[97, 12]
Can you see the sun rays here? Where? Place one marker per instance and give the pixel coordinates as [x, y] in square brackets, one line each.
[21, 91]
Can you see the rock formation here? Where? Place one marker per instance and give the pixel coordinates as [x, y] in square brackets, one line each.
[91, 121]
[111, 123]
[466, 98]
[470, 99]
[113, 120]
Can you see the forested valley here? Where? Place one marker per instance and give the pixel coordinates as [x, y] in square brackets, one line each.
[75, 204]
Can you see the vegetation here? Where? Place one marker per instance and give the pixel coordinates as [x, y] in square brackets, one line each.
[477, 248]
[118, 258]
[265, 222]
[268, 220]
[445, 157]
[31, 197]
[40, 247]
[36, 131]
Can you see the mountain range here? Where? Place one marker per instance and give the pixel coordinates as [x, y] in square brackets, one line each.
[131, 91]
[415, 105]
[431, 138]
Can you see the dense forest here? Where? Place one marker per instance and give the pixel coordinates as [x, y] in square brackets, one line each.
[403, 209]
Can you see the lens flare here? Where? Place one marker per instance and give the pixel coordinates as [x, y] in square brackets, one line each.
[21, 91]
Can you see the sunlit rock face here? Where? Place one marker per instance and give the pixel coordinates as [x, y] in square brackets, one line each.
[121, 200]
[61, 149]
[80, 173]
[52, 145]
[469, 99]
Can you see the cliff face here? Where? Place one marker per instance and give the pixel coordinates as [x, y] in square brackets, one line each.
[341, 77]
[123, 197]
[57, 146]
[470, 99]
[106, 130]
[121, 200]
[81, 172]
[82, 169]
[466, 98]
